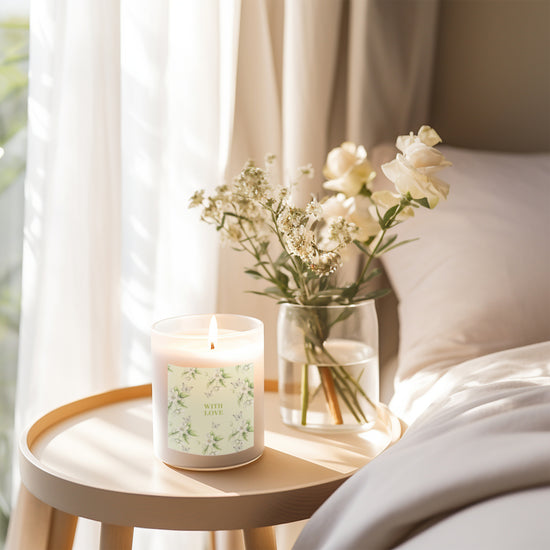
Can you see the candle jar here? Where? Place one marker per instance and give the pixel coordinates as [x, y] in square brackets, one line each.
[208, 388]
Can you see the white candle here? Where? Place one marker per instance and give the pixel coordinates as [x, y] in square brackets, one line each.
[208, 391]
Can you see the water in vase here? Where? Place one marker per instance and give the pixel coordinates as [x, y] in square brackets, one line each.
[348, 368]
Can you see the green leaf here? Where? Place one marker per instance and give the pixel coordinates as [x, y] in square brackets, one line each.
[288, 297]
[283, 258]
[365, 191]
[372, 274]
[372, 295]
[331, 292]
[363, 246]
[253, 273]
[282, 278]
[390, 213]
[386, 244]
[262, 248]
[275, 291]
[12, 80]
[320, 300]
[400, 244]
[15, 23]
[423, 202]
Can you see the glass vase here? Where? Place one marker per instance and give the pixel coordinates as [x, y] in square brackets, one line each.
[328, 366]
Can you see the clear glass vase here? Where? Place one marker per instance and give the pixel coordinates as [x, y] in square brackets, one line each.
[328, 366]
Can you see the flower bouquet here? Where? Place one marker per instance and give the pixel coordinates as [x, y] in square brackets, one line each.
[300, 250]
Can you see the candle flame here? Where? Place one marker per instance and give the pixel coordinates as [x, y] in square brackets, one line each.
[213, 332]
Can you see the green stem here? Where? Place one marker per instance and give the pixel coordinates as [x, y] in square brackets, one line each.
[342, 379]
[341, 371]
[357, 385]
[342, 392]
[389, 224]
[365, 269]
[305, 392]
[301, 282]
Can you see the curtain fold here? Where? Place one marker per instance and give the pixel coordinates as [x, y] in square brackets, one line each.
[69, 333]
[311, 40]
[391, 52]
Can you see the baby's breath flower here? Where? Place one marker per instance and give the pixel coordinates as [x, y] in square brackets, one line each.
[233, 233]
[291, 218]
[314, 209]
[283, 194]
[270, 159]
[327, 263]
[301, 242]
[307, 171]
[341, 231]
[196, 199]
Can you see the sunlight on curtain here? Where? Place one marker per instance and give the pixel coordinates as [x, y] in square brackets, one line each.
[176, 115]
[69, 330]
[177, 70]
[125, 122]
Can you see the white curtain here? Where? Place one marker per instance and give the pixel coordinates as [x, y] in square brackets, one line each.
[135, 104]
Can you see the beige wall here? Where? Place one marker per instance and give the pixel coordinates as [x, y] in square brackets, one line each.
[492, 74]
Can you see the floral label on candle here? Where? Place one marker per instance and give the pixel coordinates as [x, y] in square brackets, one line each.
[211, 410]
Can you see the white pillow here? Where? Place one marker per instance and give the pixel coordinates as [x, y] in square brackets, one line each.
[478, 279]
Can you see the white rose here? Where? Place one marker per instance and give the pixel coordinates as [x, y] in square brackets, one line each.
[419, 183]
[412, 172]
[347, 169]
[426, 135]
[336, 206]
[426, 159]
[360, 214]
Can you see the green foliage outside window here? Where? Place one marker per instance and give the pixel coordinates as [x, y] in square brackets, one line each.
[14, 50]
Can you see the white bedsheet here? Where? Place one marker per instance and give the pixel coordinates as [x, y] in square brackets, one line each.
[472, 472]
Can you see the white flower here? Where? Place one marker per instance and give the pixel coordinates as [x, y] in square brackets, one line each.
[336, 206]
[361, 215]
[326, 263]
[348, 169]
[314, 209]
[426, 135]
[355, 210]
[412, 172]
[425, 159]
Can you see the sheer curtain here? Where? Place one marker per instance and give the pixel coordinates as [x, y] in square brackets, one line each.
[135, 104]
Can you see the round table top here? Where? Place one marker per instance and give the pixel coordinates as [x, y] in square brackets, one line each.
[94, 458]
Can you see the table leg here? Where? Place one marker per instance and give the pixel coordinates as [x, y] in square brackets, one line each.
[228, 540]
[35, 525]
[29, 526]
[62, 530]
[260, 538]
[116, 537]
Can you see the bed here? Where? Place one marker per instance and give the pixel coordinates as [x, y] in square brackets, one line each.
[466, 337]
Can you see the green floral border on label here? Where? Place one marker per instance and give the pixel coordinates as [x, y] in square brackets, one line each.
[211, 410]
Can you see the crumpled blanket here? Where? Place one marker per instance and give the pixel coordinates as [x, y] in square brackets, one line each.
[472, 471]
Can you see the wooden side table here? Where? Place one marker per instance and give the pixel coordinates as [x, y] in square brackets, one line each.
[94, 458]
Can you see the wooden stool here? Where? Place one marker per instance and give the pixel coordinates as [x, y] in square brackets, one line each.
[94, 458]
